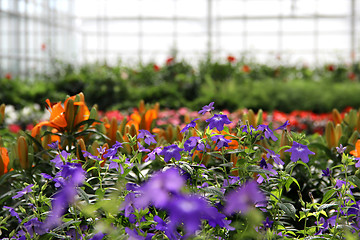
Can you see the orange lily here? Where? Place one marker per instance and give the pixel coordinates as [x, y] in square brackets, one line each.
[356, 152]
[64, 119]
[57, 119]
[4, 161]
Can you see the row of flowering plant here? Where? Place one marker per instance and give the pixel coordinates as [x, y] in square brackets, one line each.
[213, 180]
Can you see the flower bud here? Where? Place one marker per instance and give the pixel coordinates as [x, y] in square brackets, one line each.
[336, 116]
[353, 138]
[22, 150]
[70, 114]
[330, 135]
[2, 113]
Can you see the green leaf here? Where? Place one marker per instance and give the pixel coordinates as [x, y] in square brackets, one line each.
[324, 206]
[328, 195]
[320, 146]
[89, 122]
[83, 194]
[257, 169]
[66, 224]
[100, 193]
[289, 182]
[91, 169]
[289, 209]
[355, 180]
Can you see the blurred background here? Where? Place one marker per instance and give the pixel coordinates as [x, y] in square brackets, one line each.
[80, 31]
[232, 42]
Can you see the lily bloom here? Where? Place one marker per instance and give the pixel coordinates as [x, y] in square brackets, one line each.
[57, 118]
[356, 152]
[64, 119]
[4, 161]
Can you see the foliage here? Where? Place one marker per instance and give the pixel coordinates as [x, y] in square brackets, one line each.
[232, 84]
[81, 178]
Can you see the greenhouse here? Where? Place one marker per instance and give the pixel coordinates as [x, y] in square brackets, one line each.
[179, 119]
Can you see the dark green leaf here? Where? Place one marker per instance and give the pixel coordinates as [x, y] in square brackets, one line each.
[288, 208]
[355, 180]
[328, 195]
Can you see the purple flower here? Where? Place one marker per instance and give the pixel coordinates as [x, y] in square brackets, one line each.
[187, 210]
[148, 137]
[21, 193]
[113, 150]
[358, 162]
[341, 149]
[73, 171]
[87, 154]
[13, 213]
[59, 204]
[276, 157]
[161, 224]
[326, 172]
[243, 198]
[46, 176]
[247, 129]
[267, 131]
[299, 151]
[340, 183]
[54, 145]
[160, 187]
[266, 166]
[207, 108]
[221, 141]
[193, 142]
[324, 224]
[151, 156]
[34, 226]
[113, 165]
[73, 233]
[130, 204]
[142, 149]
[218, 121]
[98, 236]
[133, 234]
[191, 124]
[171, 151]
[101, 150]
[282, 127]
[58, 161]
[230, 181]
[267, 223]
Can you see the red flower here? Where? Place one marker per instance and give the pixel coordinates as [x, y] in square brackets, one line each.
[8, 76]
[246, 68]
[331, 67]
[352, 76]
[156, 68]
[169, 60]
[29, 127]
[14, 128]
[43, 47]
[231, 59]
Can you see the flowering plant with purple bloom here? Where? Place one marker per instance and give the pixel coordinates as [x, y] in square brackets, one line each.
[207, 108]
[21, 193]
[234, 186]
[221, 141]
[299, 151]
[267, 132]
[172, 151]
[243, 198]
[217, 121]
[192, 124]
[147, 136]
